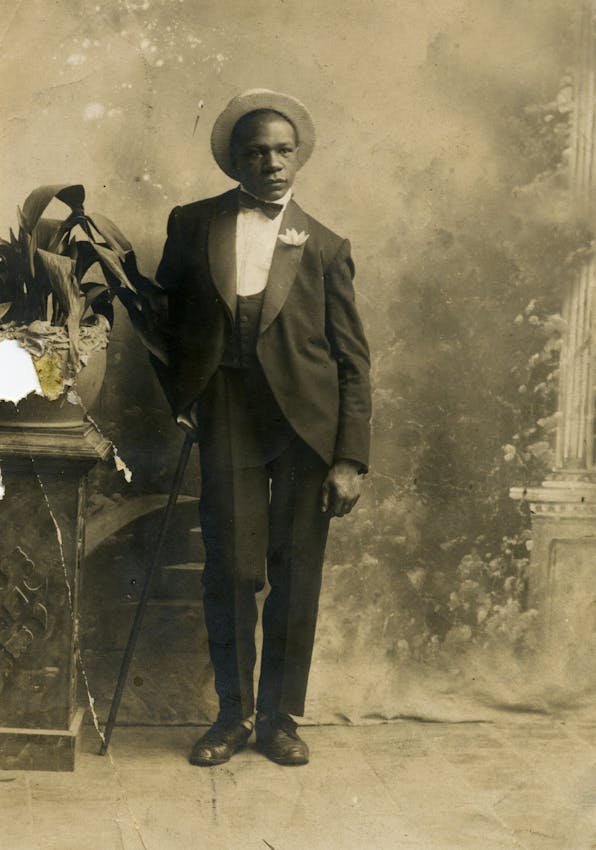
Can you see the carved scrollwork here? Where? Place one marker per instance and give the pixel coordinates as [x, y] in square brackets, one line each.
[23, 609]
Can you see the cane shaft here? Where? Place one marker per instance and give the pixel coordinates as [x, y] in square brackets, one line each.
[142, 605]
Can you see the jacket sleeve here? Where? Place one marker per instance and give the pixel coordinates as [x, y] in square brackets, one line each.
[350, 350]
[170, 267]
[169, 277]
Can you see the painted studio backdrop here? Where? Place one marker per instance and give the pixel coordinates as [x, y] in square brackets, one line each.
[444, 136]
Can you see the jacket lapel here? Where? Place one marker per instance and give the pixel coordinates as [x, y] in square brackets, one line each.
[221, 249]
[284, 266]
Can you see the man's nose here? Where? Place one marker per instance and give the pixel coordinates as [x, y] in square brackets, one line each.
[273, 162]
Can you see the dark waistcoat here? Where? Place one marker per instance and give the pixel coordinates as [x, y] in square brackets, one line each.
[272, 430]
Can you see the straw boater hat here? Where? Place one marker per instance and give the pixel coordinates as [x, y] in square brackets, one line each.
[288, 106]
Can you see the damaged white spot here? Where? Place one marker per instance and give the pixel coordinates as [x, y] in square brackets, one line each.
[2, 487]
[18, 377]
[121, 466]
[76, 59]
[94, 111]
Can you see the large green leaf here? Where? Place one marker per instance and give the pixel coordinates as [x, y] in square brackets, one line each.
[48, 235]
[140, 282]
[27, 253]
[59, 271]
[144, 321]
[112, 266]
[95, 292]
[86, 257]
[111, 234]
[35, 204]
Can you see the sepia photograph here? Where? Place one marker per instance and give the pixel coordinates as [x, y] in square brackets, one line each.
[298, 425]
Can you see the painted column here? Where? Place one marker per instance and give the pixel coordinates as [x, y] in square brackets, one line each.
[575, 437]
[562, 579]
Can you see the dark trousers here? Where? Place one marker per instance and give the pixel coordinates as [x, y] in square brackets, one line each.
[258, 514]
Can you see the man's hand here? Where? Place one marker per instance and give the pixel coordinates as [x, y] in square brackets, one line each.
[341, 488]
[187, 421]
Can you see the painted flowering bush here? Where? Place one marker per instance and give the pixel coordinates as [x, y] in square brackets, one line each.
[466, 391]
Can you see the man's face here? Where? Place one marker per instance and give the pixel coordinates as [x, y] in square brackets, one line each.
[264, 154]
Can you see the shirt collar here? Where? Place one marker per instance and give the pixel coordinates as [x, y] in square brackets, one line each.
[283, 201]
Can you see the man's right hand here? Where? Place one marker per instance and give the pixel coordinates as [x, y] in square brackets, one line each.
[186, 421]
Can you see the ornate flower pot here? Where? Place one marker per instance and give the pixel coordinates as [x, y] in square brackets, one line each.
[67, 393]
[36, 411]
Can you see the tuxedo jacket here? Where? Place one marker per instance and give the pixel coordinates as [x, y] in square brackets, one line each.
[311, 344]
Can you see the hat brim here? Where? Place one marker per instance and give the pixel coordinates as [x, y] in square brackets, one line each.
[249, 101]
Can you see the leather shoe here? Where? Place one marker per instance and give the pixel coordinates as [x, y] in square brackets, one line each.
[219, 743]
[278, 739]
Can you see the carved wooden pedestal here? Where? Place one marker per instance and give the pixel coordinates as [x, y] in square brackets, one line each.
[42, 521]
[562, 578]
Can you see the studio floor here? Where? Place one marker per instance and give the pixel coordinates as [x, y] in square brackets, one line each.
[408, 785]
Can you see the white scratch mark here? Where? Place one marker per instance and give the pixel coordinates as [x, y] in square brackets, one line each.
[77, 648]
[2, 487]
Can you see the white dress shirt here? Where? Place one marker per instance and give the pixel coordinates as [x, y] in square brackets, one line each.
[256, 235]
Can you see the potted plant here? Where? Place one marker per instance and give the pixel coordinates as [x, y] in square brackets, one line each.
[58, 278]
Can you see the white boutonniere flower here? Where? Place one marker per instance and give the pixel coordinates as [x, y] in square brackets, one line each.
[293, 238]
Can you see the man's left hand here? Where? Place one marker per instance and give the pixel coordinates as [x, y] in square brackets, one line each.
[341, 488]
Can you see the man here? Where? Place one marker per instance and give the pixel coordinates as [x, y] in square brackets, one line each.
[269, 370]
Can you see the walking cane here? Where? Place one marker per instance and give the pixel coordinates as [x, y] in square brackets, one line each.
[138, 620]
